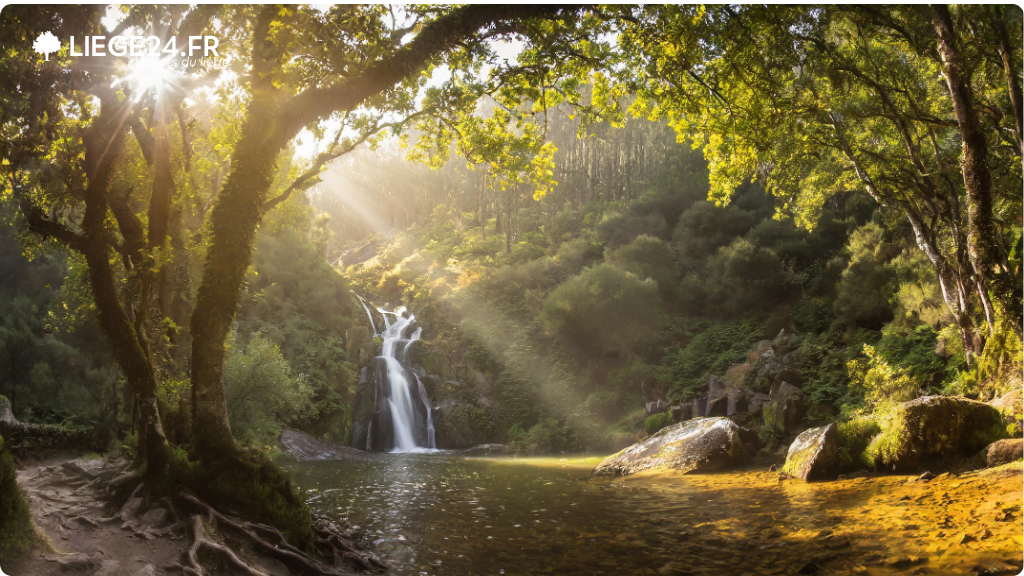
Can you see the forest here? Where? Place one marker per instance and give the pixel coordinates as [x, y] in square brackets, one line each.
[261, 312]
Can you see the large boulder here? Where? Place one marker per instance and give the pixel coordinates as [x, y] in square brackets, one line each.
[1011, 405]
[814, 455]
[696, 445]
[934, 428]
[1004, 451]
[784, 409]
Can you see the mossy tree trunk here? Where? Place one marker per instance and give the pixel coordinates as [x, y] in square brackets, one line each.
[982, 237]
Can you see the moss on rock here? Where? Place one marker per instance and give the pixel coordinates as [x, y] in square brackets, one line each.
[934, 428]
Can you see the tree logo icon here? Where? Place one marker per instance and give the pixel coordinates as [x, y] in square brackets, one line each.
[45, 44]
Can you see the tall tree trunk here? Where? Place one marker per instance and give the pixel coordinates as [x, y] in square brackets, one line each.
[982, 237]
[102, 148]
[234, 220]
[1010, 71]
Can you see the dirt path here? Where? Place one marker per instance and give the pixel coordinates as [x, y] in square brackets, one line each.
[69, 502]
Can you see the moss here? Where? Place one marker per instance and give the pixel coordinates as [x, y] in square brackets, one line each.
[658, 421]
[933, 428]
[247, 484]
[853, 437]
[17, 533]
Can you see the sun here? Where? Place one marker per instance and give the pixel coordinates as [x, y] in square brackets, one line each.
[151, 76]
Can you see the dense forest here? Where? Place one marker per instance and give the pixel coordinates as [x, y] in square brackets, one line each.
[641, 212]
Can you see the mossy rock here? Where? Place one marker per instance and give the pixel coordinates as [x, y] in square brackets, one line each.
[695, 445]
[814, 455]
[934, 428]
[1011, 406]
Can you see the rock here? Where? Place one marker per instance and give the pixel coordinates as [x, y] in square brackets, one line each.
[814, 455]
[756, 402]
[926, 476]
[108, 568]
[155, 518]
[272, 567]
[700, 444]
[737, 401]
[656, 407]
[717, 401]
[488, 450]
[147, 570]
[1011, 406]
[305, 448]
[681, 412]
[699, 407]
[1004, 451]
[934, 428]
[784, 409]
[131, 507]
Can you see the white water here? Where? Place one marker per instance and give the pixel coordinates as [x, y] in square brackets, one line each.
[402, 394]
[373, 325]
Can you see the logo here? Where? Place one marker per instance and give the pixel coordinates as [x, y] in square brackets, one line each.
[142, 51]
[46, 44]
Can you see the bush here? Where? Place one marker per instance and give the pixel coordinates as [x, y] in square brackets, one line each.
[853, 438]
[743, 277]
[603, 310]
[647, 257]
[658, 421]
[17, 533]
[866, 285]
[263, 395]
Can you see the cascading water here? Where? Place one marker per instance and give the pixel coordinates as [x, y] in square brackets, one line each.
[402, 419]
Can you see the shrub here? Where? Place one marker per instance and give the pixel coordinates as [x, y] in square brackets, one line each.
[853, 437]
[647, 257]
[17, 533]
[658, 421]
[742, 276]
[603, 310]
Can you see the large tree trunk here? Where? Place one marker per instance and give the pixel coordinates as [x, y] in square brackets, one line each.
[234, 221]
[103, 147]
[982, 236]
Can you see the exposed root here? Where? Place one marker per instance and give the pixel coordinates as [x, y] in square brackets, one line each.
[279, 549]
[202, 542]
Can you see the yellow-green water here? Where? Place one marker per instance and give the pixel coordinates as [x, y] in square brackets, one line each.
[446, 515]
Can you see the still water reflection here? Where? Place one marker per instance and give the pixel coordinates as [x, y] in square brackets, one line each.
[446, 515]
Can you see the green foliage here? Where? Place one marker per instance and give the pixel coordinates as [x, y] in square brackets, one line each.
[647, 257]
[865, 289]
[657, 422]
[547, 436]
[713, 349]
[743, 277]
[262, 393]
[853, 437]
[17, 533]
[603, 310]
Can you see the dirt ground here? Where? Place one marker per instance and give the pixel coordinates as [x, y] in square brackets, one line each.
[69, 503]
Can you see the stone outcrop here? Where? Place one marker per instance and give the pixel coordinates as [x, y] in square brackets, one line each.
[785, 408]
[696, 445]
[305, 448]
[1004, 451]
[1011, 406]
[934, 428]
[814, 455]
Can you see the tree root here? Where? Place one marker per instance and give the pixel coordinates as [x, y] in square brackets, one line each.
[290, 556]
[201, 541]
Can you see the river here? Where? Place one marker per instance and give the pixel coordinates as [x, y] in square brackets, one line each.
[441, 514]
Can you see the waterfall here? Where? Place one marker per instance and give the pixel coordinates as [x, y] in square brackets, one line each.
[401, 405]
[373, 325]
